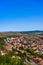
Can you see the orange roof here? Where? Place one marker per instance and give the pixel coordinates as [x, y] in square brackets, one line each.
[39, 59]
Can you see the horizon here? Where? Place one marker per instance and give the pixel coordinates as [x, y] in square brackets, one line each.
[23, 31]
[21, 15]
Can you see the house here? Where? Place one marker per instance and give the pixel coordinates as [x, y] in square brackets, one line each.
[9, 47]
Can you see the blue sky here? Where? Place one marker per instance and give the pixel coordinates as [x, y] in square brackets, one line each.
[21, 15]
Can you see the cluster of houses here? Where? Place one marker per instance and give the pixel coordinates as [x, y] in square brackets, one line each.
[18, 44]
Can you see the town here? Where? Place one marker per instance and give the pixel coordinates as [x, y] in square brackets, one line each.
[24, 46]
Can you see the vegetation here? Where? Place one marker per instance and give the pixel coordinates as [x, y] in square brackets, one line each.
[8, 60]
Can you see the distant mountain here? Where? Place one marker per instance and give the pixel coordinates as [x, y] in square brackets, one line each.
[36, 31]
[22, 32]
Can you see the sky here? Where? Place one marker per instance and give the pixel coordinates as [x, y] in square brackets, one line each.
[21, 15]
